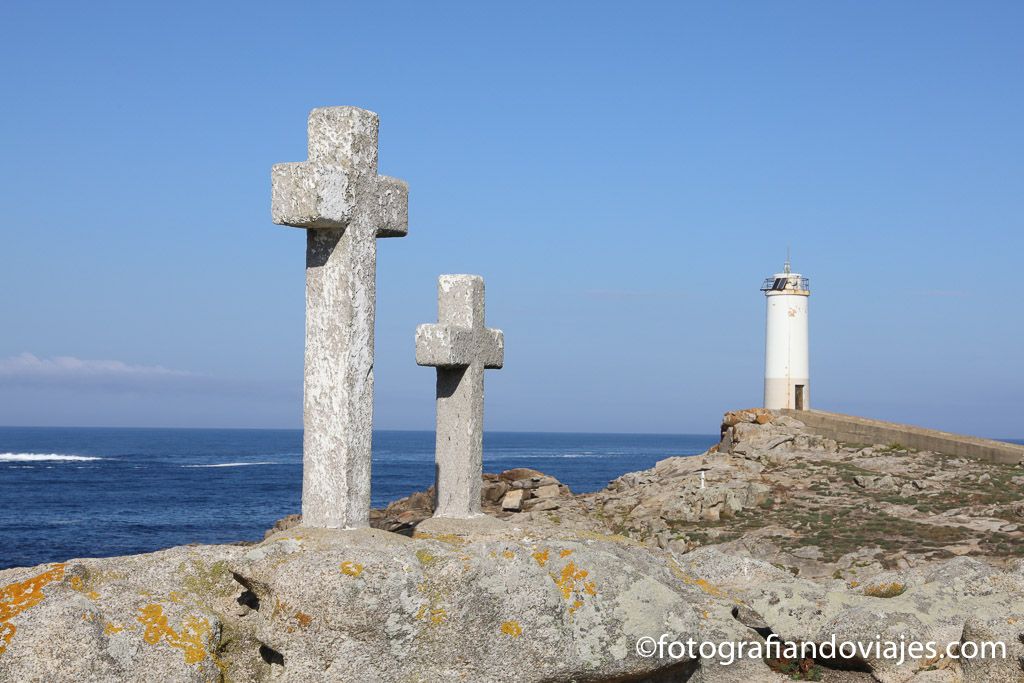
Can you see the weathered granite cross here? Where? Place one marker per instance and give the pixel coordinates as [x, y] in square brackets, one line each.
[345, 206]
[460, 347]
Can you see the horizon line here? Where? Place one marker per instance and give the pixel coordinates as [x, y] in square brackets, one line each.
[299, 429]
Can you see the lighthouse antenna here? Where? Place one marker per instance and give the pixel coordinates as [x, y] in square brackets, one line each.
[787, 268]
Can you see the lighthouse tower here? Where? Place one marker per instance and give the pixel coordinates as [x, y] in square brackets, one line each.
[786, 366]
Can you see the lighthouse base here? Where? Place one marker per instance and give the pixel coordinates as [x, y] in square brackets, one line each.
[787, 393]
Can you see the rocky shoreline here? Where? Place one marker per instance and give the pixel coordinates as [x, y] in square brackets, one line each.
[774, 491]
[773, 532]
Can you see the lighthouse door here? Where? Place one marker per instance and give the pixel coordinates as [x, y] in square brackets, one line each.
[799, 402]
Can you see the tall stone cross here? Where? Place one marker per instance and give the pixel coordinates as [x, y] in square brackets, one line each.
[460, 347]
[345, 206]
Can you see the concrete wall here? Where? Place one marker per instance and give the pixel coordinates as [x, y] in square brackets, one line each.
[860, 430]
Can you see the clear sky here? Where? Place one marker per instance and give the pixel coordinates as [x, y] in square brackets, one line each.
[622, 174]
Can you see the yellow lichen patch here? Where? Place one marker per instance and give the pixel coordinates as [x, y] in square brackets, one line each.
[304, 619]
[425, 557]
[202, 579]
[17, 597]
[575, 606]
[450, 539]
[512, 628]
[175, 596]
[541, 556]
[886, 590]
[508, 555]
[435, 615]
[590, 588]
[111, 628]
[565, 553]
[190, 639]
[350, 568]
[92, 595]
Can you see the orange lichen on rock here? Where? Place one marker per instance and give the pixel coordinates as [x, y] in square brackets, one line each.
[17, 597]
[571, 576]
[304, 619]
[512, 628]
[190, 639]
[350, 568]
[111, 628]
[77, 584]
[565, 553]
[541, 556]
[508, 554]
[705, 586]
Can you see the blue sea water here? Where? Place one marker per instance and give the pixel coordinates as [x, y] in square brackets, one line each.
[73, 492]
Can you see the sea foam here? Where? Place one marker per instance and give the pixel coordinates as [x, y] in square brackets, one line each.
[43, 457]
[232, 464]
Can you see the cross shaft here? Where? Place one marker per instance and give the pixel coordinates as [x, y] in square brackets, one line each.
[460, 347]
[337, 196]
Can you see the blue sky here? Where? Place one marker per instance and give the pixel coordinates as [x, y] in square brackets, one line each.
[623, 175]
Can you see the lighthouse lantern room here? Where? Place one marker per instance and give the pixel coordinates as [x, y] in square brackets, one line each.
[786, 366]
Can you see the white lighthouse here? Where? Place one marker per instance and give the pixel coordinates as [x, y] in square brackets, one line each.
[786, 363]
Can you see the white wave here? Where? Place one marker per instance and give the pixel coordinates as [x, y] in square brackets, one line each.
[232, 464]
[42, 457]
[548, 456]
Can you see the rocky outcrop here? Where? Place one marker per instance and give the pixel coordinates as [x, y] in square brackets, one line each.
[377, 606]
[465, 600]
[774, 491]
[312, 605]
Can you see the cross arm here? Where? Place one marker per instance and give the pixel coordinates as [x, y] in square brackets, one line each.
[493, 348]
[444, 346]
[311, 195]
[449, 346]
[392, 205]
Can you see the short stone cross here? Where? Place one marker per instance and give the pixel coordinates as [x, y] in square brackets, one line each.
[345, 206]
[460, 347]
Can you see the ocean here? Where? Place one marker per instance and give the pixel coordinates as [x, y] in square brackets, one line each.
[78, 492]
